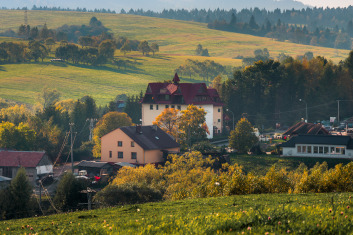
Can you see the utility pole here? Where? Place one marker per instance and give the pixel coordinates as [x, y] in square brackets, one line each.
[338, 112]
[40, 193]
[26, 24]
[91, 127]
[71, 148]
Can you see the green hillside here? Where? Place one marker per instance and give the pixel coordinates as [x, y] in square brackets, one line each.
[250, 214]
[177, 40]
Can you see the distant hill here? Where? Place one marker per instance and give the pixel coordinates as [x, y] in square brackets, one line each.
[156, 5]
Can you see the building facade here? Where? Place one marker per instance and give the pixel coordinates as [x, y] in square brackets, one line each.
[160, 96]
[327, 146]
[37, 164]
[137, 145]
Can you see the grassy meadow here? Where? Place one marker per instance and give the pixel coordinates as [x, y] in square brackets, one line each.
[177, 40]
[249, 214]
[260, 164]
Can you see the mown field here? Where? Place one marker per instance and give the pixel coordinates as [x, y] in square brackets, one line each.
[177, 40]
[260, 164]
[23, 82]
[250, 214]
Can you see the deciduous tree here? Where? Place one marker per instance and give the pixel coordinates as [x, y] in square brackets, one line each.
[242, 138]
[168, 121]
[192, 126]
[106, 124]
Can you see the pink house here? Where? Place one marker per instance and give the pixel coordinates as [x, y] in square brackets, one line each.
[138, 145]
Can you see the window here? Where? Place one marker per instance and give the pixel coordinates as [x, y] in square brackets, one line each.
[157, 107]
[120, 143]
[120, 154]
[303, 149]
[219, 110]
[299, 149]
[173, 106]
[316, 149]
[179, 107]
[167, 106]
[219, 120]
[132, 144]
[309, 149]
[332, 150]
[151, 107]
[110, 154]
[133, 155]
[326, 150]
[321, 149]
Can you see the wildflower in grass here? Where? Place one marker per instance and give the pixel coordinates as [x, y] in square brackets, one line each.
[347, 207]
[110, 228]
[269, 218]
[31, 228]
[318, 225]
[341, 212]
[52, 223]
[249, 228]
[288, 231]
[267, 233]
[8, 229]
[138, 210]
[23, 227]
[346, 217]
[333, 217]
[279, 223]
[330, 210]
[27, 226]
[350, 197]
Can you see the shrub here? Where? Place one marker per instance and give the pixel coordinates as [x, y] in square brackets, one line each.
[127, 194]
[68, 192]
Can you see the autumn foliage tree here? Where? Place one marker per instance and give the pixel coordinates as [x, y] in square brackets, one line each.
[168, 121]
[187, 126]
[242, 138]
[192, 125]
[106, 124]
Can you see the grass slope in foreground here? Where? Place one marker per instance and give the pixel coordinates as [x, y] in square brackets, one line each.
[251, 214]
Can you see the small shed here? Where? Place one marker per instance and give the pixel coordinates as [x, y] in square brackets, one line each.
[95, 168]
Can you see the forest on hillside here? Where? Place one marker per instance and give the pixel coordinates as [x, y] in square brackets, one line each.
[330, 27]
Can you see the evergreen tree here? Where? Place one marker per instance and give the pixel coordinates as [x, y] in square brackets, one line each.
[68, 194]
[21, 191]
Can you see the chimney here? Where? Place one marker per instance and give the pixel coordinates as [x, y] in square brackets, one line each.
[139, 129]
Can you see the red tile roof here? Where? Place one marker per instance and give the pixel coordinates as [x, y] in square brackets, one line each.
[192, 93]
[306, 129]
[20, 158]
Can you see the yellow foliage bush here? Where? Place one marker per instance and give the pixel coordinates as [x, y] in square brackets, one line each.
[191, 176]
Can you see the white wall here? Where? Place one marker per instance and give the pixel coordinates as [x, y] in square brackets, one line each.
[292, 151]
[209, 118]
[44, 169]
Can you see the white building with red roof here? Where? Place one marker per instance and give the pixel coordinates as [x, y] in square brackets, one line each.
[177, 95]
[36, 163]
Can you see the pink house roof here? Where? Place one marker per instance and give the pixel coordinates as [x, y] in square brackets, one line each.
[181, 93]
[20, 158]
